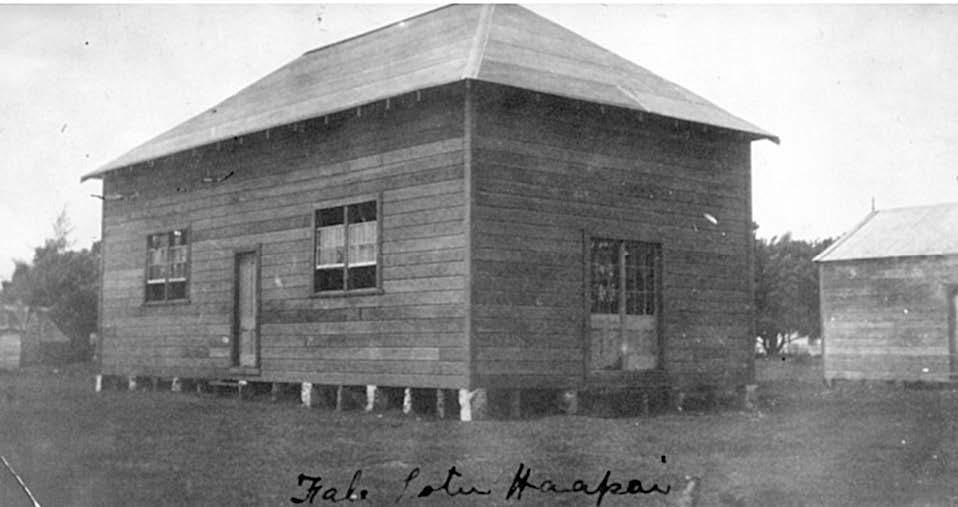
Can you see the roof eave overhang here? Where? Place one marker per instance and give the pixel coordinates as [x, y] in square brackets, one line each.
[885, 257]
[753, 134]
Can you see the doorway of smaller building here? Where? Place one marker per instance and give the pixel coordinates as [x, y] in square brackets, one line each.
[245, 353]
[624, 300]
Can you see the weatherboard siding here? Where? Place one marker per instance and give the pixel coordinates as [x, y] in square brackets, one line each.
[547, 173]
[412, 334]
[888, 319]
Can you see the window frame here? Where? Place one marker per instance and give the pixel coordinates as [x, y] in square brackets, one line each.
[621, 274]
[345, 203]
[166, 283]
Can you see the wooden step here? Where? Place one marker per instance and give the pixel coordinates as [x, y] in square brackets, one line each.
[232, 384]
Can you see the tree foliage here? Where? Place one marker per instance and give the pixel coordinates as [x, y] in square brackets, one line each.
[63, 280]
[786, 290]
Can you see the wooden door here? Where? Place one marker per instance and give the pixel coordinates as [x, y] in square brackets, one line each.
[246, 311]
[624, 315]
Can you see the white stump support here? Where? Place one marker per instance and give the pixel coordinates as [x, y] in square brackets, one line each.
[98, 383]
[306, 394]
[465, 405]
[131, 383]
[471, 404]
[370, 398]
[440, 404]
[750, 398]
[569, 401]
[407, 401]
[176, 385]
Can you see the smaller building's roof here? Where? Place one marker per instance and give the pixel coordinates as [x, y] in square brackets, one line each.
[899, 232]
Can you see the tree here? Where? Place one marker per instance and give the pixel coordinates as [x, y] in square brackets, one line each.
[63, 280]
[786, 290]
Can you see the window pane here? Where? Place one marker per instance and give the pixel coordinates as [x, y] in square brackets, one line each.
[364, 212]
[640, 262]
[157, 264]
[362, 243]
[158, 240]
[167, 265]
[329, 216]
[176, 290]
[328, 279]
[362, 278]
[178, 263]
[605, 276]
[178, 237]
[639, 285]
[156, 274]
[155, 291]
[354, 225]
[330, 246]
[158, 257]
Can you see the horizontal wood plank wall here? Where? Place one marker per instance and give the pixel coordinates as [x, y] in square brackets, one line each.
[410, 335]
[545, 170]
[888, 319]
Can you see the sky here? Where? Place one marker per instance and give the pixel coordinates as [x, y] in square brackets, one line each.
[864, 98]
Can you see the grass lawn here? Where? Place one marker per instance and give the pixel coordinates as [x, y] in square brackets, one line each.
[806, 445]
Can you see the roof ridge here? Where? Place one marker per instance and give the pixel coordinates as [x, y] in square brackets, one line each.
[919, 206]
[481, 38]
[821, 257]
[439, 47]
[377, 29]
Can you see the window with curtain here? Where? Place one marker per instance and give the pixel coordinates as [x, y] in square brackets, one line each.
[167, 270]
[347, 248]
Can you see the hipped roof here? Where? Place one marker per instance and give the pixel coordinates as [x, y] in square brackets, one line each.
[503, 44]
[900, 232]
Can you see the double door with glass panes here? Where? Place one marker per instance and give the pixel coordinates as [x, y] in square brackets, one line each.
[624, 305]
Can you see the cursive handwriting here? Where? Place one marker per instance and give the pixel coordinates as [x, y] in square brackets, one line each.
[634, 487]
[445, 487]
[455, 484]
[330, 494]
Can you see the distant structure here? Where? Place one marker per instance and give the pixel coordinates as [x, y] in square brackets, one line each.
[474, 199]
[889, 290]
[11, 339]
[28, 336]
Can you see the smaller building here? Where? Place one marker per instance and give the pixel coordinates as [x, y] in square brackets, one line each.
[28, 336]
[889, 296]
[11, 339]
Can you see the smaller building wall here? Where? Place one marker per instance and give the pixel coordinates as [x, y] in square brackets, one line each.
[10, 342]
[889, 319]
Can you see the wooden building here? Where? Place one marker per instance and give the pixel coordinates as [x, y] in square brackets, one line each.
[11, 339]
[472, 198]
[28, 336]
[889, 292]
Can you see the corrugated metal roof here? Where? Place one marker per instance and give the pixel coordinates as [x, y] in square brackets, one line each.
[900, 232]
[504, 44]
